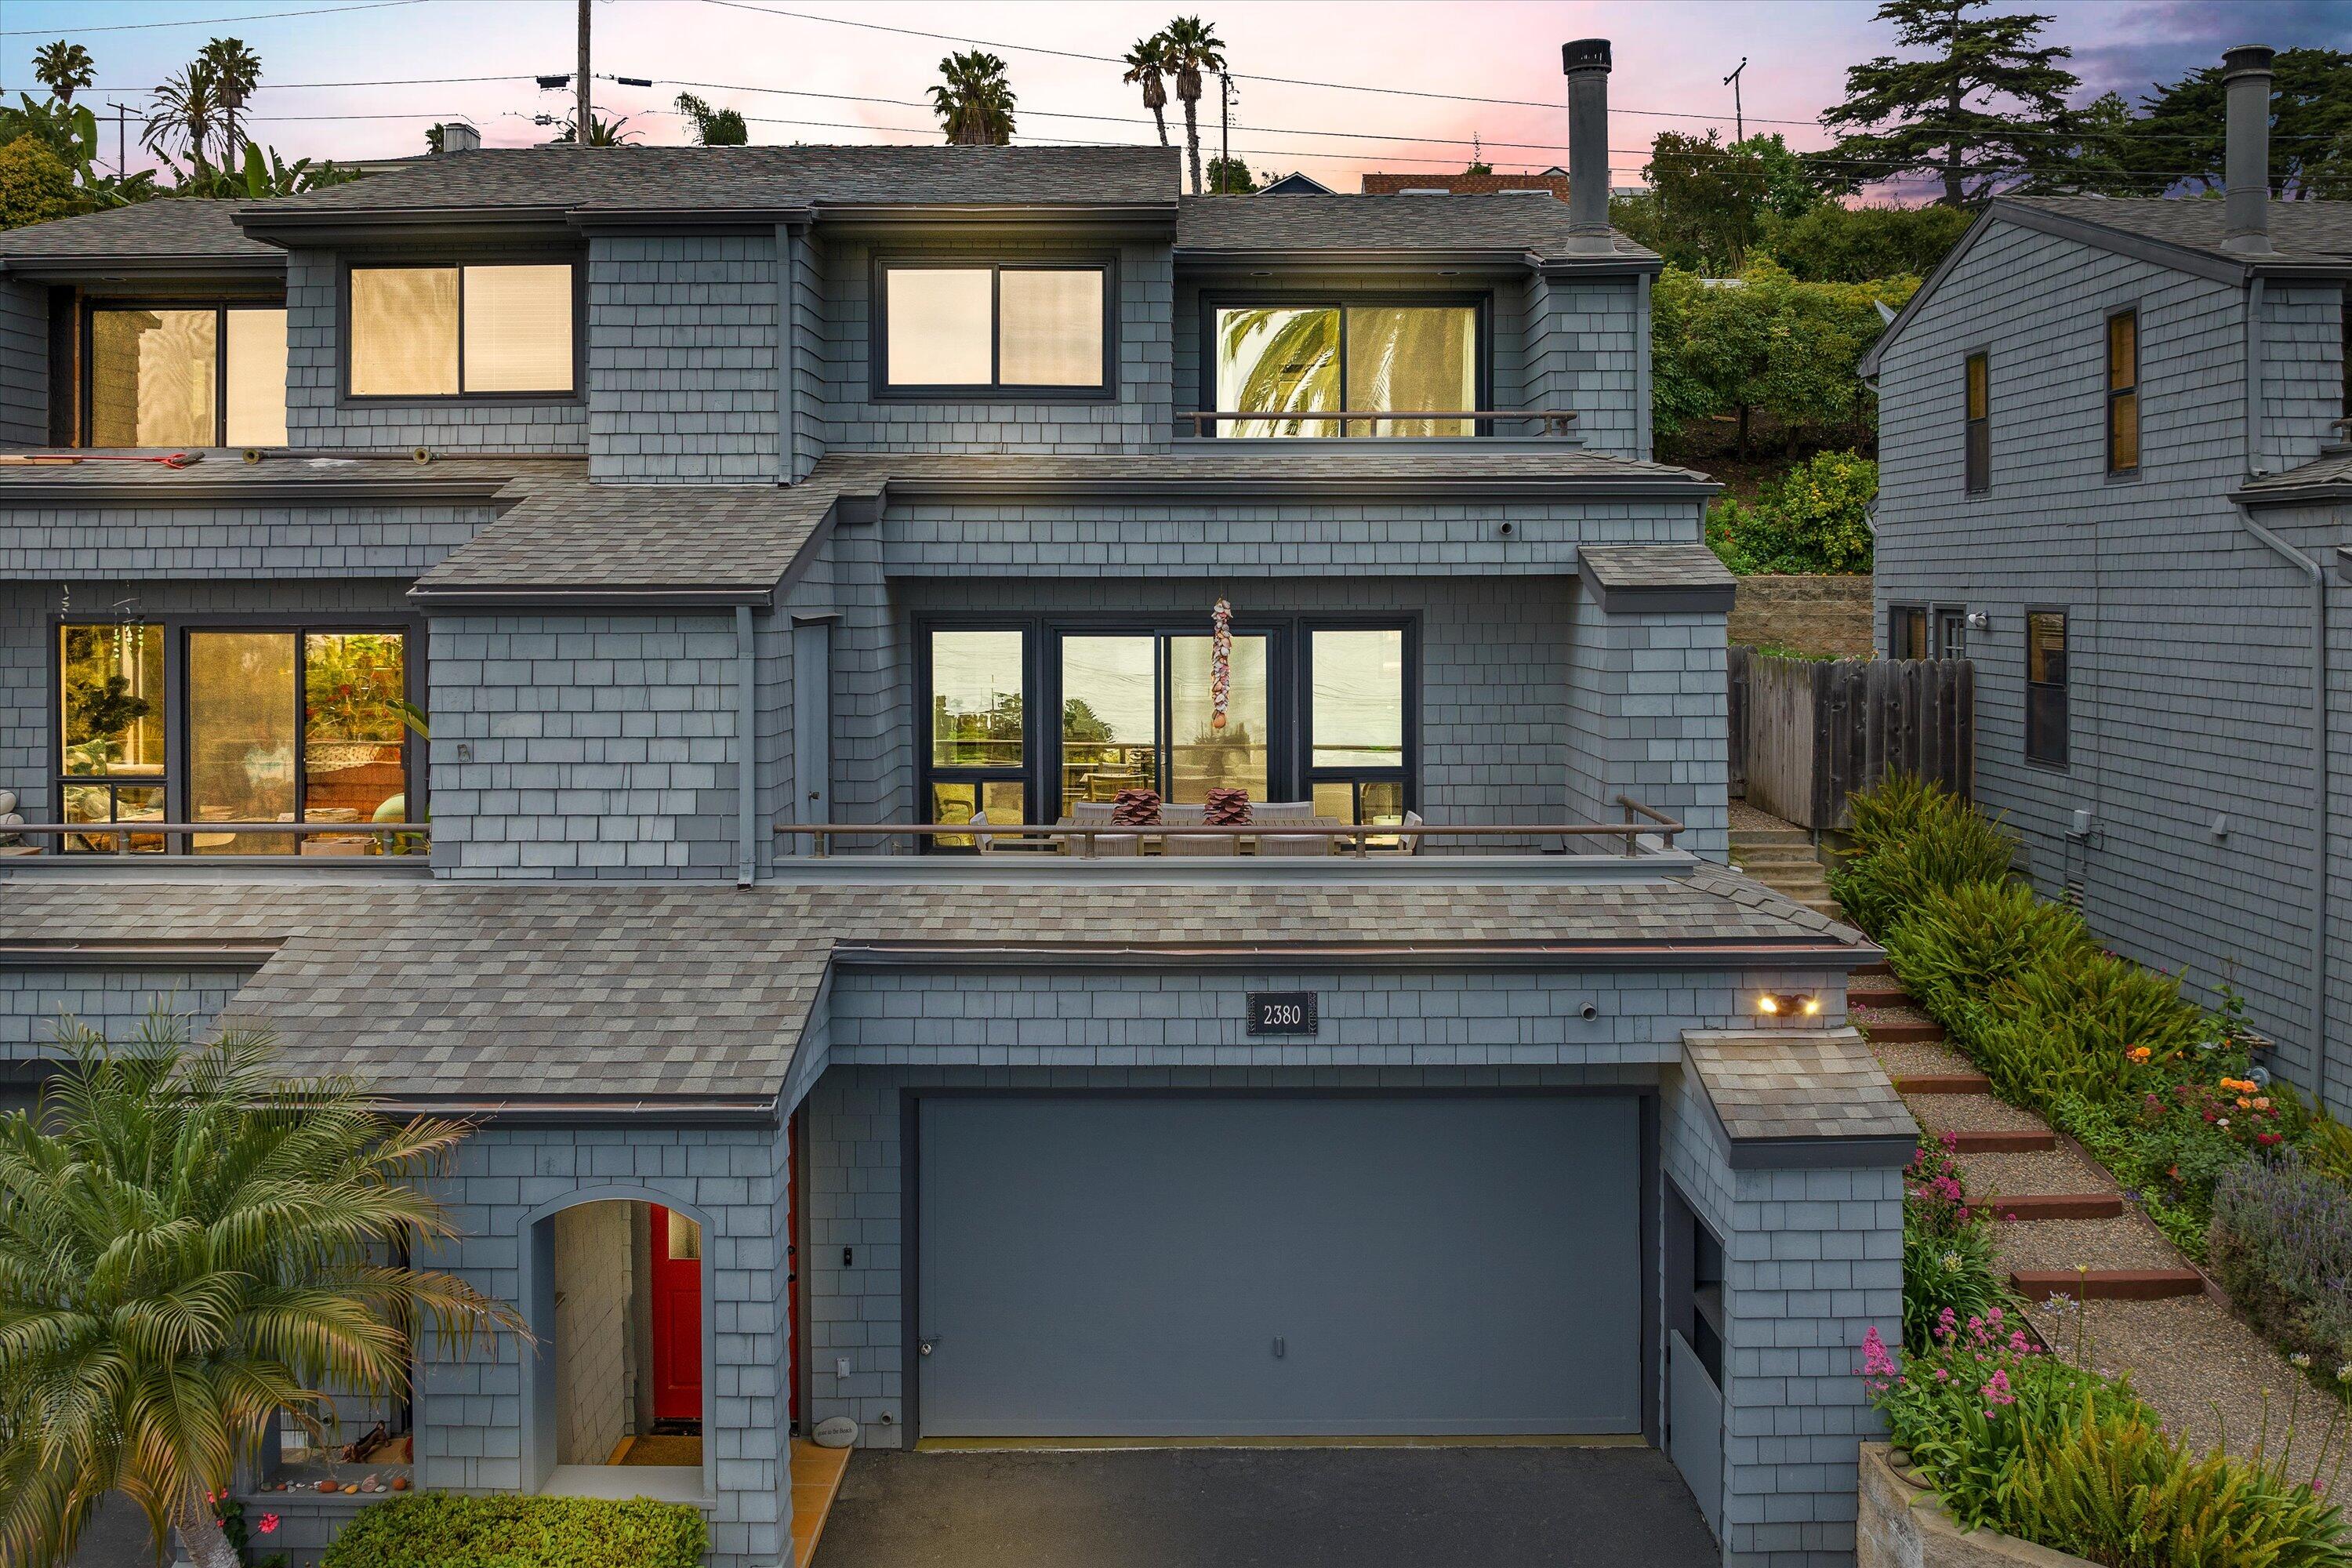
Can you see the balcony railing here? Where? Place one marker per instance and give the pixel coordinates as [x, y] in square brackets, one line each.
[1642, 827]
[1553, 421]
[381, 837]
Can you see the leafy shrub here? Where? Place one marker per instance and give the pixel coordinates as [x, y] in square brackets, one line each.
[1835, 243]
[1813, 518]
[2281, 1245]
[1887, 813]
[1948, 1270]
[1945, 844]
[436, 1530]
[1955, 948]
[2164, 1154]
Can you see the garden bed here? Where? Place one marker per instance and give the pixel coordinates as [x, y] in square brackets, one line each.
[1903, 1525]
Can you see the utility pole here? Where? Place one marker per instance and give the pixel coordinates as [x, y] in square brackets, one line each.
[1225, 131]
[122, 139]
[1738, 115]
[586, 119]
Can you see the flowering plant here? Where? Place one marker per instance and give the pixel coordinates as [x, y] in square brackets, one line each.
[1947, 1252]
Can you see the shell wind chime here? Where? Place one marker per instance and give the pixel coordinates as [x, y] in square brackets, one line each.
[1221, 662]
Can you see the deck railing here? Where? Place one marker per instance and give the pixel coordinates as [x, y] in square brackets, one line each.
[1554, 421]
[391, 838]
[1360, 840]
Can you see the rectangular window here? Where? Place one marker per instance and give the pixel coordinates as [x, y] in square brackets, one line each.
[199, 376]
[2046, 686]
[988, 329]
[280, 725]
[453, 331]
[2123, 392]
[978, 750]
[1979, 424]
[1952, 633]
[1300, 359]
[1906, 631]
[1356, 723]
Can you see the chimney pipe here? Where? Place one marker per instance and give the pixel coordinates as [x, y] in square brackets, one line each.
[2246, 159]
[1585, 63]
[457, 137]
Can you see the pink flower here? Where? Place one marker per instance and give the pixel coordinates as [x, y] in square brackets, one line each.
[2018, 1342]
[1992, 1315]
[1943, 1376]
[268, 1525]
[1998, 1389]
[1876, 1361]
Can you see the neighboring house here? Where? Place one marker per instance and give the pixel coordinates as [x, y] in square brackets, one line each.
[1552, 181]
[2113, 472]
[1296, 183]
[693, 493]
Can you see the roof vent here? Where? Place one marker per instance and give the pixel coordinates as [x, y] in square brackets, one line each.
[457, 138]
[1585, 63]
[1424, 191]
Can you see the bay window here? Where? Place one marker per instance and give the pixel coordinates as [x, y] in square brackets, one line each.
[1416, 357]
[462, 331]
[192, 375]
[959, 330]
[207, 724]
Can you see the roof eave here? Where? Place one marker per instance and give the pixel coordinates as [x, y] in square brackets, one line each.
[1212, 486]
[163, 493]
[599, 597]
[278, 223]
[146, 268]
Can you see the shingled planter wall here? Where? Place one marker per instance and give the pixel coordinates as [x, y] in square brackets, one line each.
[1902, 1525]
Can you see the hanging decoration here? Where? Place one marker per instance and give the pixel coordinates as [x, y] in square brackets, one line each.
[1221, 662]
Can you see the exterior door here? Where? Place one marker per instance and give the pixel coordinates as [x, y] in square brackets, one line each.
[1236, 1264]
[812, 725]
[676, 1316]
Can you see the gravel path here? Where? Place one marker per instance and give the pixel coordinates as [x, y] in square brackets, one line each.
[1746, 818]
[2200, 1368]
[1863, 1017]
[1919, 1056]
[1969, 1113]
[2058, 1169]
[2126, 1241]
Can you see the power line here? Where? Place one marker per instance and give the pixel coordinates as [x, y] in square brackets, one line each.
[206, 21]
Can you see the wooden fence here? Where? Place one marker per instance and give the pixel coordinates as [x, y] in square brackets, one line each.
[1806, 733]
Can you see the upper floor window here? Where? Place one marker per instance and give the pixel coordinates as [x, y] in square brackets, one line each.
[2123, 392]
[1342, 358]
[1979, 424]
[963, 330]
[462, 332]
[2045, 687]
[186, 376]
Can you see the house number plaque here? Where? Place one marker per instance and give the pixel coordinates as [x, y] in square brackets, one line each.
[1282, 1012]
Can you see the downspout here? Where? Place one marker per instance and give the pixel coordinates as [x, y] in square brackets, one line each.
[746, 733]
[787, 357]
[2317, 577]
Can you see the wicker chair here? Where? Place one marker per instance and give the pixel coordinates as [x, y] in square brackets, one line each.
[1096, 814]
[1282, 811]
[1193, 843]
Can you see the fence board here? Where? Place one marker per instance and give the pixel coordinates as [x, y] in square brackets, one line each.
[1808, 733]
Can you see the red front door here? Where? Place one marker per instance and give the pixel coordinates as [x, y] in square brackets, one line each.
[678, 1317]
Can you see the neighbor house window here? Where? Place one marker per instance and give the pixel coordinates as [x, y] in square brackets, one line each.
[978, 742]
[1951, 633]
[1906, 631]
[1298, 359]
[2122, 392]
[200, 375]
[2046, 686]
[1979, 424]
[988, 329]
[276, 724]
[1356, 723]
[452, 331]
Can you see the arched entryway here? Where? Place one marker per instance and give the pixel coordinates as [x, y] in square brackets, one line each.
[617, 1390]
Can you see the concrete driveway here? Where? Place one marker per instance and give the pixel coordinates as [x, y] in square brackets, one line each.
[1278, 1507]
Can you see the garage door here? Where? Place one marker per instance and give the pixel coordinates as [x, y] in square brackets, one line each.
[1228, 1266]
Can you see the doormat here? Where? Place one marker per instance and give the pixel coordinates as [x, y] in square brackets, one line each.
[664, 1450]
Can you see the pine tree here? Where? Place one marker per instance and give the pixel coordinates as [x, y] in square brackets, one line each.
[1976, 111]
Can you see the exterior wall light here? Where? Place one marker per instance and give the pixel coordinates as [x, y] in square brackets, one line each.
[1978, 621]
[1787, 1006]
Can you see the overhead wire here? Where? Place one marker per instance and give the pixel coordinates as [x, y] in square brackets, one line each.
[206, 21]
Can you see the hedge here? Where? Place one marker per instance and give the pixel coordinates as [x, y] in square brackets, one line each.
[440, 1529]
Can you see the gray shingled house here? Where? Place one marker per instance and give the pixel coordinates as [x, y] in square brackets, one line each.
[700, 498]
[2114, 472]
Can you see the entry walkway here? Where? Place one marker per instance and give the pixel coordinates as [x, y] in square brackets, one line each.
[1266, 1507]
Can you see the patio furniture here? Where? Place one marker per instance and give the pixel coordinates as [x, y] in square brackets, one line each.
[1195, 843]
[1096, 814]
[1273, 813]
[1406, 843]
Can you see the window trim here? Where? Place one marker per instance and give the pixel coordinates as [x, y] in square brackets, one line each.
[1975, 440]
[2064, 761]
[2110, 392]
[1213, 300]
[86, 410]
[1289, 720]
[1926, 624]
[415, 758]
[881, 389]
[346, 398]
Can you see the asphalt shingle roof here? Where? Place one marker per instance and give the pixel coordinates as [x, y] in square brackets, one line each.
[1774, 1085]
[2329, 473]
[441, 990]
[1536, 224]
[1653, 566]
[223, 470]
[2306, 231]
[171, 226]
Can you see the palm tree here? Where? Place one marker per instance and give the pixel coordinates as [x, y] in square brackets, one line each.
[236, 71]
[1191, 48]
[973, 100]
[601, 133]
[1147, 64]
[190, 1247]
[714, 127]
[65, 69]
[187, 107]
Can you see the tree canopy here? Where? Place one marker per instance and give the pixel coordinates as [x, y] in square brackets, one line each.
[714, 127]
[973, 100]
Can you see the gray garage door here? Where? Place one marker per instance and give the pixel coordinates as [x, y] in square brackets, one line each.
[1221, 1266]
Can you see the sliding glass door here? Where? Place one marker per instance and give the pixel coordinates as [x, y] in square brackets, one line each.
[1139, 712]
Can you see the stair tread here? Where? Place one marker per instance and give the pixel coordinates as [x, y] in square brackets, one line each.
[2107, 1284]
[1992, 1141]
[1942, 1083]
[2028, 1207]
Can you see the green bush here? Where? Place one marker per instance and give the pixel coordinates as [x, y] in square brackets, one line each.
[2281, 1246]
[1912, 840]
[1836, 244]
[1812, 519]
[1954, 948]
[436, 1530]
[2080, 1021]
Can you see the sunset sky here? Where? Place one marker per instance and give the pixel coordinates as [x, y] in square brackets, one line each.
[384, 70]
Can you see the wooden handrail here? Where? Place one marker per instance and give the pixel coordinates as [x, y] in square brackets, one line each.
[1554, 420]
[126, 831]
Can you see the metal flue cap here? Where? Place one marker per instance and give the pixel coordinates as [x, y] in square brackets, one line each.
[1584, 55]
[2247, 57]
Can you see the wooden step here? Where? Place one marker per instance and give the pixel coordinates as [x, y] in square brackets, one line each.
[1743, 838]
[2058, 1205]
[1878, 993]
[1873, 972]
[1893, 1030]
[2107, 1284]
[1942, 1083]
[2002, 1140]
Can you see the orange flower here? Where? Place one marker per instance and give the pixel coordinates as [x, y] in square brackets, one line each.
[2138, 1053]
[2244, 1104]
